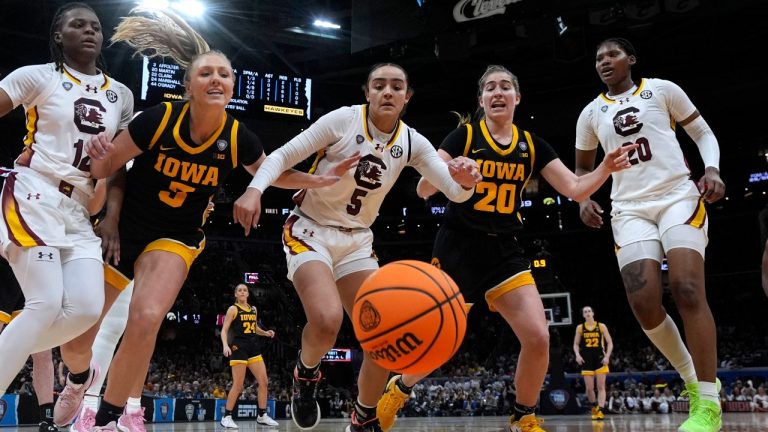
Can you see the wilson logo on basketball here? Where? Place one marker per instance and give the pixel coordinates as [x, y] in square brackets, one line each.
[369, 316]
[402, 346]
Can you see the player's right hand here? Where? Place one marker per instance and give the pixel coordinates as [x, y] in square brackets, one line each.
[227, 351]
[247, 209]
[591, 213]
[99, 146]
[579, 359]
[110, 240]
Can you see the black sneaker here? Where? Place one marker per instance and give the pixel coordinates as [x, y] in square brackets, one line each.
[305, 411]
[371, 425]
[47, 427]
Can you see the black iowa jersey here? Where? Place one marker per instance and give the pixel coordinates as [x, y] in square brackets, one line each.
[592, 341]
[171, 182]
[495, 205]
[244, 325]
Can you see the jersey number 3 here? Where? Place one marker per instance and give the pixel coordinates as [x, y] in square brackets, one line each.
[176, 195]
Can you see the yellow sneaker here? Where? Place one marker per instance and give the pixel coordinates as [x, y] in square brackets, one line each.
[595, 409]
[600, 414]
[527, 423]
[390, 403]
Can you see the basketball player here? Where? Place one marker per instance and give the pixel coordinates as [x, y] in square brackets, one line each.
[327, 238]
[182, 152]
[45, 232]
[593, 346]
[476, 245]
[658, 210]
[245, 352]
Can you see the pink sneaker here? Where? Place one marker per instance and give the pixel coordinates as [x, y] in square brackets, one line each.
[132, 422]
[71, 399]
[85, 421]
[109, 427]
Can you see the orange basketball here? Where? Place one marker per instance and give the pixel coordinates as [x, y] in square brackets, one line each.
[410, 317]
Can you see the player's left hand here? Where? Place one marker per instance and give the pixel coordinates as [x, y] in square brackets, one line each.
[711, 186]
[345, 165]
[605, 360]
[99, 146]
[464, 171]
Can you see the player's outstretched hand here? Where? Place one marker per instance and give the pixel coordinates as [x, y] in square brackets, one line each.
[247, 209]
[618, 159]
[464, 171]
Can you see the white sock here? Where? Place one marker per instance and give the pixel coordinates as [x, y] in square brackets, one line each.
[133, 406]
[667, 339]
[708, 391]
[91, 402]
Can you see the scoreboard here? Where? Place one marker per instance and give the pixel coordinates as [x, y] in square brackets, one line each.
[254, 93]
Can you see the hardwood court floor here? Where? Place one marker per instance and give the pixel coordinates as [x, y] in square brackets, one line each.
[733, 422]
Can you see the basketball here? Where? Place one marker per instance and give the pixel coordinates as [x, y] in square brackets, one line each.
[410, 317]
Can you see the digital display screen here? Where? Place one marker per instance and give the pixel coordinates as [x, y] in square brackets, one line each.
[255, 92]
[338, 355]
[251, 278]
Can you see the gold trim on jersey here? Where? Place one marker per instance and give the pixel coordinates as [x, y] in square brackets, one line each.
[113, 277]
[521, 279]
[233, 142]
[532, 150]
[468, 144]
[32, 118]
[699, 215]
[201, 148]
[492, 142]
[320, 156]
[295, 246]
[368, 136]
[77, 81]
[187, 253]
[256, 359]
[5, 318]
[18, 231]
[637, 91]
[249, 310]
[163, 125]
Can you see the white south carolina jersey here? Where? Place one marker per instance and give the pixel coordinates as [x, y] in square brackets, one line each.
[64, 109]
[645, 115]
[354, 201]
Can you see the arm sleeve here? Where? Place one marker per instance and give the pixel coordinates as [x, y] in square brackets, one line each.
[249, 147]
[677, 102]
[456, 141]
[25, 84]
[435, 170]
[705, 140]
[327, 130]
[586, 137]
[545, 153]
[143, 127]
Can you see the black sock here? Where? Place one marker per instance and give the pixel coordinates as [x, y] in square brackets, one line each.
[80, 378]
[305, 372]
[227, 412]
[108, 413]
[46, 412]
[402, 387]
[364, 413]
[522, 410]
[261, 411]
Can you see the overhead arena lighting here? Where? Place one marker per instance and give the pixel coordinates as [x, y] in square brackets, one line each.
[190, 8]
[326, 24]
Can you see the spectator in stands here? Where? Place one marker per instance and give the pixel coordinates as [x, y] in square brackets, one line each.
[760, 400]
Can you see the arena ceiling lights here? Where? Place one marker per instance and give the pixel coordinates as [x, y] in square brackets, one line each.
[189, 8]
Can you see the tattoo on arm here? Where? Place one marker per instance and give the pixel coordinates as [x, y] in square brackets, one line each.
[632, 274]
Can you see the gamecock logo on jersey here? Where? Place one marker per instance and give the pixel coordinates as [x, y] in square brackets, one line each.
[369, 172]
[625, 122]
[89, 115]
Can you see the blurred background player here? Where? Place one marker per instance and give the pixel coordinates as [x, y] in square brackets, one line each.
[593, 346]
[245, 352]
